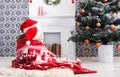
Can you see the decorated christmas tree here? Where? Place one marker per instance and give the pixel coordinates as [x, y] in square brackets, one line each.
[97, 22]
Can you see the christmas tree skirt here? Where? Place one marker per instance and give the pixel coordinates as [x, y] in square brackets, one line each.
[16, 72]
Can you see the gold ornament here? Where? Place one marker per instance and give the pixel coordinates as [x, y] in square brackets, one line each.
[87, 27]
[98, 45]
[98, 24]
[118, 47]
[112, 26]
[82, 11]
[78, 24]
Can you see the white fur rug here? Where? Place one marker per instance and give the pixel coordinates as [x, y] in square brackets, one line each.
[55, 72]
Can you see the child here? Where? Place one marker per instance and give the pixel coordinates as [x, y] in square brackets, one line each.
[32, 53]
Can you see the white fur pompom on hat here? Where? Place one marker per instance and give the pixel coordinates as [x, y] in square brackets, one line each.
[31, 29]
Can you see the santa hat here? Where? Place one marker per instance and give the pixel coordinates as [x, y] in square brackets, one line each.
[32, 30]
[29, 23]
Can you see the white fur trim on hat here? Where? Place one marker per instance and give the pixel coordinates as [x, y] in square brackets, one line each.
[25, 29]
[28, 42]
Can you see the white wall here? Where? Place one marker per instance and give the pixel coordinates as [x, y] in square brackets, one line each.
[64, 8]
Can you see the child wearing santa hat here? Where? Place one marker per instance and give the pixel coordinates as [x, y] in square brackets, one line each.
[32, 53]
[32, 30]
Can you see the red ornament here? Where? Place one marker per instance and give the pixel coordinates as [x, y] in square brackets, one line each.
[112, 26]
[105, 1]
[30, 1]
[73, 1]
[98, 24]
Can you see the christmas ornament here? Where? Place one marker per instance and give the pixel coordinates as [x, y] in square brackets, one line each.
[112, 26]
[30, 1]
[98, 24]
[98, 44]
[82, 11]
[87, 27]
[73, 1]
[118, 47]
[52, 2]
[78, 24]
[102, 18]
[87, 41]
[104, 1]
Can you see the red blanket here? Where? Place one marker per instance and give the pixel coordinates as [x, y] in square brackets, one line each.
[36, 56]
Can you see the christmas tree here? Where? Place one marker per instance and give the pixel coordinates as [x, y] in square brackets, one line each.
[97, 21]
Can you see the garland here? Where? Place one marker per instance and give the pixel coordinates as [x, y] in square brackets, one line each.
[53, 2]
